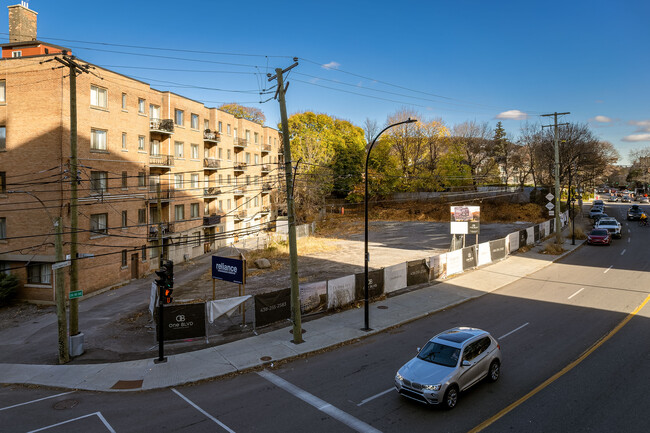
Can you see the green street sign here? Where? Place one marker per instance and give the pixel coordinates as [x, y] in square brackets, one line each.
[76, 294]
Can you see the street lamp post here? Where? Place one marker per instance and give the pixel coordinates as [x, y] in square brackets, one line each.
[366, 254]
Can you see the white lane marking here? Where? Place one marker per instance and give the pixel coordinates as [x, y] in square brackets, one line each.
[34, 401]
[191, 403]
[319, 404]
[513, 331]
[375, 396]
[629, 231]
[628, 240]
[623, 252]
[607, 270]
[577, 292]
[99, 414]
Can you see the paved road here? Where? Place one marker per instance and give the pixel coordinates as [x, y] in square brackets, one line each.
[544, 322]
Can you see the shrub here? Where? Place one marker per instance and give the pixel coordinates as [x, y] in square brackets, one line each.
[8, 287]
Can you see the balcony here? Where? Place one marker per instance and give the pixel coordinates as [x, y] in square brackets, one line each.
[211, 137]
[239, 167]
[161, 126]
[265, 210]
[266, 188]
[211, 163]
[266, 169]
[266, 148]
[239, 190]
[211, 220]
[166, 193]
[167, 230]
[161, 161]
[241, 214]
[240, 144]
[212, 191]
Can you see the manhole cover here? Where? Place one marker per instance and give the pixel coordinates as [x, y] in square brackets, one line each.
[382, 307]
[65, 404]
[265, 358]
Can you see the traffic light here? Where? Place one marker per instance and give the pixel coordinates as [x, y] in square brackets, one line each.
[166, 280]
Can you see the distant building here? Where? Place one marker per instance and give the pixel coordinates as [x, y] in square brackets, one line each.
[215, 172]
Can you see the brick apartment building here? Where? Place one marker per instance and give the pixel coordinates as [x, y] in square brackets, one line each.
[216, 173]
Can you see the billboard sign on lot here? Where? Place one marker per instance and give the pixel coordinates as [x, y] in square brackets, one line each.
[228, 269]
[184, 321]
[465, 219]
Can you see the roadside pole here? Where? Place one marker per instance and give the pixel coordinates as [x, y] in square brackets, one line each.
[161, 290]
[59, 290]
[558, 222]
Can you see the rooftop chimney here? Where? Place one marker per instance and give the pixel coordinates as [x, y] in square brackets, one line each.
[22, 23]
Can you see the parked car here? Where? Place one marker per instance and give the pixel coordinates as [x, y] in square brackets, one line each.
[599, 237]
[644, 199]
[612, 198]
[611, 225]
[597, 217]
[598, 203]
[449, 363]
[626, 199]
[634, 212]
[595, 211]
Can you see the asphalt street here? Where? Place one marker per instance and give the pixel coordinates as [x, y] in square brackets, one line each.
[544, 323]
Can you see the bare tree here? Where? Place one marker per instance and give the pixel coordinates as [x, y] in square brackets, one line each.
[371, 129]
[476, 140]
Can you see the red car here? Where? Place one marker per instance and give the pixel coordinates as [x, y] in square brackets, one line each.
[599, 237]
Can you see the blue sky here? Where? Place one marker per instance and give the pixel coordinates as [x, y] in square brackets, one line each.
[453, 59]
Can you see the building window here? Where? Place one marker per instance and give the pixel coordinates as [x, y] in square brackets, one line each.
[195, 151]
[206, 124]
[142, 179]
[197, 239]
[235, 133]
[178, 117]
[228, 129]
[154, 148]
[141, 105]
[140, 142]
[220, 125]
[206, 208]
[142, 218]
[125, 219]
[124, 140]
[194, 210]
[228, 204]
[248, 158]
[125, 182]
[124, 259]
[3, 228]
[256, 137]
[221, 205]
[3, 182]
[97, 139]
[98, 97]
[248, 179]
[123, 101]
[179, 212]
[227, 179]
[220, 179]
[39, 273]
[144, 253]
[99, 223]
[256, 201]
[3, 138]
[228, 154]
[178, 181]
[195, 121]
[220, 154]
[248, 136]
[98, 182]
[195, 181]
[178, 149]
[3, 91]
[17, 54]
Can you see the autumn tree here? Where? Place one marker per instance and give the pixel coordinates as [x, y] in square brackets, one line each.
[249, 113]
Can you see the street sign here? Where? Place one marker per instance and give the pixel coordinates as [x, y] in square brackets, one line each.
[59, 265]
[549, 205]
[549, 196]
[551, 213]
[76, 294]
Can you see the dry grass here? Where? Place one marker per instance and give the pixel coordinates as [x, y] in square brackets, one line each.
[278, 253]
[552, 248]
[579, 233]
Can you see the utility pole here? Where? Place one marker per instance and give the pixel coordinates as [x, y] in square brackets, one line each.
[558, 222]
[75, 68]
[59, 293]
[293, 248]
[161, 304]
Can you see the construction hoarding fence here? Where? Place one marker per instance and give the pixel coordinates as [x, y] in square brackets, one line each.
[313, 297]
[272, 307]
[184, 321]
[418, 272]
[375, 284]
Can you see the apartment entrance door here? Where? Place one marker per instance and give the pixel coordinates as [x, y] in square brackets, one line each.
[134, 266]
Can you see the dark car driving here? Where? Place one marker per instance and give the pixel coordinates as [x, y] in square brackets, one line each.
[634, 212]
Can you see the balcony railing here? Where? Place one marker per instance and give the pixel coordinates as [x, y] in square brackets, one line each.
[266, 188]
[265, 210]
[211, 163]
[167, 229]
[161, 160]
[240, 143]
[211, 136]
[164, 126]
[213, 190]
[266, 148]
[239, 190]
[265, 168]
[241, 214]
[211, 220]
[240, 166]
[166, 193]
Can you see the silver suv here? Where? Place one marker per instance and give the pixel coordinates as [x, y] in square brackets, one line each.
[450, 362]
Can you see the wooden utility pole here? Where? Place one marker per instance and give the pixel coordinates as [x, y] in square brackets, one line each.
[59, 293]
[558, 222]
[293, 248]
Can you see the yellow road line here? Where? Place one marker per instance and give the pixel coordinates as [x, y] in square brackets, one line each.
[562, 372]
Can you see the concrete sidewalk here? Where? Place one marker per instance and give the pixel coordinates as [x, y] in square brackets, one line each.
[275, 346]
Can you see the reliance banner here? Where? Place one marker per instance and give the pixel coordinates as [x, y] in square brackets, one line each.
[418, 272]
[228, 269]
[272, 307]
[375, 284]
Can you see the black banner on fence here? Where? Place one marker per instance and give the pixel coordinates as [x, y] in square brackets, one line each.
[272, 307]
[375, 284]
[184, 321]
[417, 272]
[523, 237]
[537, 232]
[498, 249]
[469, 257]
